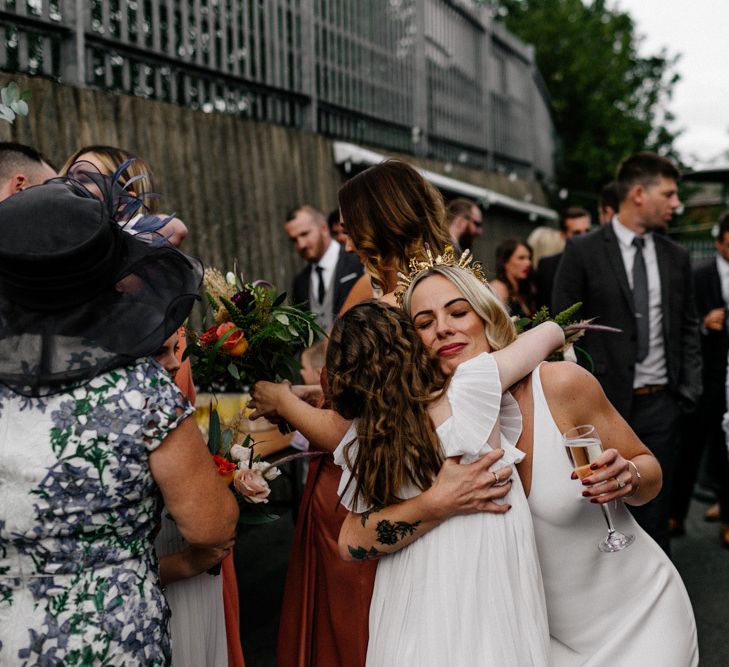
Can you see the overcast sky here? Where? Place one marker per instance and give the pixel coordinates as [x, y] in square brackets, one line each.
[699, 31]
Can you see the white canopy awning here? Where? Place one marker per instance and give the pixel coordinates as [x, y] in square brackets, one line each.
[346, 152]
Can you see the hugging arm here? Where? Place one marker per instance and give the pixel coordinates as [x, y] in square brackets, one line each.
[458, 489]
[523, 355]
[323, 428]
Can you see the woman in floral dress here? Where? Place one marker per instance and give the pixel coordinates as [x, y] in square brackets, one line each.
[94, 435]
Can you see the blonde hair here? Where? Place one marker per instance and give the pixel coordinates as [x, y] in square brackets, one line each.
[545, 241]
[112, 158]
[390, 212]
[498, 326]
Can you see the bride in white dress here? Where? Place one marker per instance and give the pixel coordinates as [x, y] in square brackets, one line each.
[469, 591]
[626, 608]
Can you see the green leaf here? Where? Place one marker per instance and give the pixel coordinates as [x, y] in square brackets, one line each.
[214, 435]
[281, 317]
[213, 302]
[227, 439]
[279, 300]
[233, 370]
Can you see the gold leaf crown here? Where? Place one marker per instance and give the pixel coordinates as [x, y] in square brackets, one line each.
[448, 258]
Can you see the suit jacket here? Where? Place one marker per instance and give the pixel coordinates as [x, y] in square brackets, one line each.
[592, 271]
[546, 271]
[348, 269]
[714, 344]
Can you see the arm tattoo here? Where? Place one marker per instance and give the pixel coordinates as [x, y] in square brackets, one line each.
[366, 514]
[360, 553]
[389, 532]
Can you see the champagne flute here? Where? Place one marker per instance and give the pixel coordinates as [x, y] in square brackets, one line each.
[583, 447]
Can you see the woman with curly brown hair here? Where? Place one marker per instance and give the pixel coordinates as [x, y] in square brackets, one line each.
[409, 415]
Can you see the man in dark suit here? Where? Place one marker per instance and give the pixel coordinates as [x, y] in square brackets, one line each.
[641, 282]
[324, 284]
[704, 428]
[573, 222]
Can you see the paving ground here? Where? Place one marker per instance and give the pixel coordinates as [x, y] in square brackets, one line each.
[262, 553]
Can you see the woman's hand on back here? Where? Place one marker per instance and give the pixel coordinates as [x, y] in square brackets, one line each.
[469, 488]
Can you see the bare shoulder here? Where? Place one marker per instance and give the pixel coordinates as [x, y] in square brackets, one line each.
[566, 383]
[501, 290]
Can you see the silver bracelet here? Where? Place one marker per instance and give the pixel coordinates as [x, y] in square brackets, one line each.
[636, 484]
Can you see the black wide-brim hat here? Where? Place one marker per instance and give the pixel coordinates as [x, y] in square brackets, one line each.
[78, 295]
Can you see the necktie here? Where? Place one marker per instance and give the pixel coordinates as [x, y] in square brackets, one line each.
[640, 298]
[321, 291]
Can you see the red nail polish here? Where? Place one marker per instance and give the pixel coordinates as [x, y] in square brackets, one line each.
[585, 493]
[593, 466]
[573, 475]
[593, 500]
[585, 482]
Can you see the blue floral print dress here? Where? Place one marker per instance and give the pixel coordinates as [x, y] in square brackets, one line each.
[78, 508]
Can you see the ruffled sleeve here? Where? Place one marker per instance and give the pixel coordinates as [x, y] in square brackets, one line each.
[347, 482]
[477, 408]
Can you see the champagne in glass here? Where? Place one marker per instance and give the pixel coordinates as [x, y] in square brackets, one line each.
[584, 447]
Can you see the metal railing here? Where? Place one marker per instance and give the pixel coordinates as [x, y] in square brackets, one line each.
[434, 77]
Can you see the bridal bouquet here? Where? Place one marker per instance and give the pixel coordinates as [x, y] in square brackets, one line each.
[256, 336]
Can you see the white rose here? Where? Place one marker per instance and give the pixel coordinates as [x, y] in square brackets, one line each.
[240, 453]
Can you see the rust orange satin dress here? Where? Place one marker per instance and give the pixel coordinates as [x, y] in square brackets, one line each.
[231, 605]
[326, 604]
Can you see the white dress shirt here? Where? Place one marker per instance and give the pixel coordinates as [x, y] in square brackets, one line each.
[328, 263]
[722, 266]
[652, 370]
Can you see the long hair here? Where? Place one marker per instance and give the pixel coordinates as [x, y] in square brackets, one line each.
[498, 326]
[112, 158]
[525, 289]
[389, 212]
[379, 373]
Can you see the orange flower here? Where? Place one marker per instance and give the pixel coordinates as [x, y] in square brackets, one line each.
[235, 344]
[226, 469]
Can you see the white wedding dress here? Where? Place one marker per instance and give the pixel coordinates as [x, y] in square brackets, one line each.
[197, 625]
[624, 609]
[469, 592]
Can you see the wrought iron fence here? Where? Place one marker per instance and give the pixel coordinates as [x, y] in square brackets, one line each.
[433, 77]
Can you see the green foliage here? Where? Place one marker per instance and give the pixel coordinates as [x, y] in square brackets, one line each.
[608, 101]
[565, 318]
[13, 102]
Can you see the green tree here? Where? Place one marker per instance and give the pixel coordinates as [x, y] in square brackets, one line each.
[608, 100]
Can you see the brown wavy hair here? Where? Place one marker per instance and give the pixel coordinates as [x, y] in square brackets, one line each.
[389, 212]
[379, 372]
